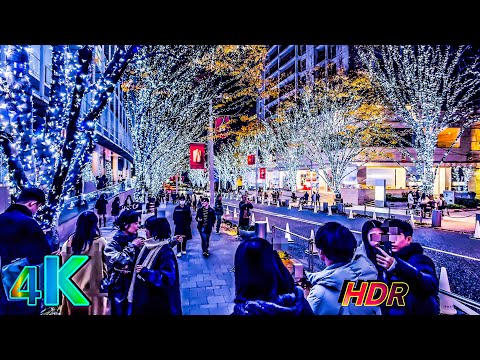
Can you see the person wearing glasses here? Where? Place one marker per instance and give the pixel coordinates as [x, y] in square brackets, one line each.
[22, 236]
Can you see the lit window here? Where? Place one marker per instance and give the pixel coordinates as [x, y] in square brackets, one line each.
[475, 139]
[447, 137]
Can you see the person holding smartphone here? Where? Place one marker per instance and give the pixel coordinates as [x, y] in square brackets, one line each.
[407, 263]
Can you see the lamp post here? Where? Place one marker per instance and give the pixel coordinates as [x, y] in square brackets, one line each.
[210, 155]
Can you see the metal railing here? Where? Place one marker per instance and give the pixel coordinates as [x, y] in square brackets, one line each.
[460, 302]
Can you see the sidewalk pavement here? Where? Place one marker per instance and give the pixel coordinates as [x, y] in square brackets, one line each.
[207, 285]
[457, 220]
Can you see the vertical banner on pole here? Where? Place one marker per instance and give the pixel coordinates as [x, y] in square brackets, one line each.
[197, 156]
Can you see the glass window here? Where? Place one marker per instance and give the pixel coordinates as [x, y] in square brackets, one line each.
[447, 137]
[475, 139]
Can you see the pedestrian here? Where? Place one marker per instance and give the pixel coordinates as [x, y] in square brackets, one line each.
[87, 240]
[182, 218]
[245, 206]
[155, 287]
[263, 285]
[121, 252]
[194, 202]
[128, 204]
[410, 200]
[206, 220]
[336, 248]
[218, 208]
[22, 236]
[116, 207]
[101, 206]
[407, 263]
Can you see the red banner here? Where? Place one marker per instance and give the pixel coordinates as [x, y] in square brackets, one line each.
[197, 156]
[263, 172]
[251, 159]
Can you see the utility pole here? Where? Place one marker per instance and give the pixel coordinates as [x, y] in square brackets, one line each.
[256, 176]
[210, 155]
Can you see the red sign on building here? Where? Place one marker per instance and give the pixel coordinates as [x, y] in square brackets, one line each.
[197, 156]
[263, 172]
[251, 159]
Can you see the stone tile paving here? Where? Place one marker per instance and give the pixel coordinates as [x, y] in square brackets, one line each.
[207, 285]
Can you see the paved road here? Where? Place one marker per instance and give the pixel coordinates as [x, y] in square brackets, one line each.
[457, 252]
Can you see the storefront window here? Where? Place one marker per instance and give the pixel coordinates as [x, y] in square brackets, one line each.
[475, 139]
[447, 137]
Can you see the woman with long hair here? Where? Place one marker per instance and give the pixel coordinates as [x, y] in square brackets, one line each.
[263, 285]
[87, 240]
[155, 287]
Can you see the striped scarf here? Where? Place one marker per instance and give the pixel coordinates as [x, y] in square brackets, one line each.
[154, 246]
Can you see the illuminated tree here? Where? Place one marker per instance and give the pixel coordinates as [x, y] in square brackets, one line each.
[342, 120]
[198, 177]
[168, 95]
[429, 88]
[63, 146]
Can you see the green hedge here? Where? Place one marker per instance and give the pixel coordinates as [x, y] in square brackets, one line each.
[468, 203]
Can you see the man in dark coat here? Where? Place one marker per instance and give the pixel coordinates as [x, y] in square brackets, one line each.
[410, 265]
[244, 217]
[22, 236]
[206, 219]
[182, 218]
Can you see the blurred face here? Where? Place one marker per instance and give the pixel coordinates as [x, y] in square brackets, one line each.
[182, 202]
[132, 228]
[373, 240]
[244, 198]
[400, 242]
[204, 203]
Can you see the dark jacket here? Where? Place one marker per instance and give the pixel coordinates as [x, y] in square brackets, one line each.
[157, 290]
[115, 208]
[101, 206]
[218, 208]
[287, 304]
[182, 218]
[418, 271]
[244, 206]
[20, 236]
[120, 256]
[210, 221]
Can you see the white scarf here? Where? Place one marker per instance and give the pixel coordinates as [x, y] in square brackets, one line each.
[154, 246]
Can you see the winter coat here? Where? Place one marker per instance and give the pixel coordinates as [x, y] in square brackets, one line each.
[20, 236]
[210, 221]
[120, 256]
[115, 208]
[88, 278]
[157, 290]
[244, 209]
[327, 284]
[182, 218]
[418, 271]
[101, 206]
[287, 304]
[218, 208]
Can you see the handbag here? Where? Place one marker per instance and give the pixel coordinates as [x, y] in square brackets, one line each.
[11, 271]
[108, 282]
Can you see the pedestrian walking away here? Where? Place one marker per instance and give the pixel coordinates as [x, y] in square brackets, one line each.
[101, 206]
[218, 208]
